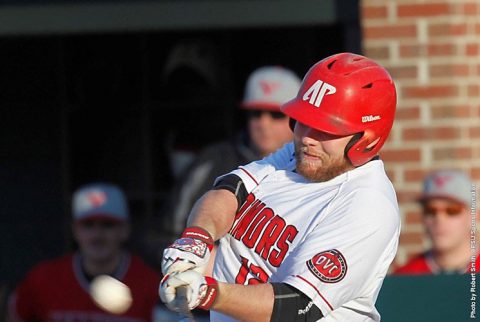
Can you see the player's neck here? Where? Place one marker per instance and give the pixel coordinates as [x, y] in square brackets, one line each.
[454, 259]
[97, 267]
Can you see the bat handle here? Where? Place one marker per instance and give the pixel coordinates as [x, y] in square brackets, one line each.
[182, 303]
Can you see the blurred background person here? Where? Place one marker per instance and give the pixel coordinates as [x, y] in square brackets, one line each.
[267, 129]
[58, 289]
[446, 211]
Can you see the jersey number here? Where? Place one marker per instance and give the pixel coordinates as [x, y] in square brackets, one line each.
[260, 275]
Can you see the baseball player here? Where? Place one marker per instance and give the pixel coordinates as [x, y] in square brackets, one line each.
[58, 289]
[309, 232]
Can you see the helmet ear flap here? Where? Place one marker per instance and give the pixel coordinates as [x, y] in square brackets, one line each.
[351, 143]
[359, 147]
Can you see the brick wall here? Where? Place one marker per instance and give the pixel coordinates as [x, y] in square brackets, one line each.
[432, 49]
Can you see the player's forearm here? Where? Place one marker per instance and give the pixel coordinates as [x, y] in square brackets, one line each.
[214, 212]
[245, 302]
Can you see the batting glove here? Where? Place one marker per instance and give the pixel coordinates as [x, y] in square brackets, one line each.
[201, 290]
[190, 251]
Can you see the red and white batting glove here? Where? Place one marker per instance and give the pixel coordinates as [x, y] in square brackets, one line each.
[190, 251]
[201, 290]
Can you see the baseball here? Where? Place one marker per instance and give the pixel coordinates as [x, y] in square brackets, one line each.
[110, 294]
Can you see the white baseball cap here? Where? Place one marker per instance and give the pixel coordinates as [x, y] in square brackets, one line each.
[99, 201]
[447, 184]
[269, 87]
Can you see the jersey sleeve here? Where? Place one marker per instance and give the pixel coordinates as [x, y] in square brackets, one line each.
[347, 255]
[253, 173]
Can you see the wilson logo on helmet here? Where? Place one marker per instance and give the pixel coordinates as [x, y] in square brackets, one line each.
[315, 94]
[370, 118]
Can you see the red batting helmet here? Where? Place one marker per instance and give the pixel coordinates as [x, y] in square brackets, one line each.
[347, 94]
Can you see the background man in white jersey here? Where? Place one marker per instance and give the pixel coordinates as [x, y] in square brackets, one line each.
[309, 232]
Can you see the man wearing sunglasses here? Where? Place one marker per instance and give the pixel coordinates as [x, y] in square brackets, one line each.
[447, 216]
[58, 289]
[267, 129]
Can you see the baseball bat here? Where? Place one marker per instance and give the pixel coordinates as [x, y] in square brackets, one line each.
[181, 303]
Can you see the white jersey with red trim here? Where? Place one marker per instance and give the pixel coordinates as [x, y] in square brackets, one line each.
[333, 240]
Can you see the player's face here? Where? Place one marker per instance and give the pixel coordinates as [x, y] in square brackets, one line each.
[268, 130]
[447, 223]
[319, 155]
[100, 240]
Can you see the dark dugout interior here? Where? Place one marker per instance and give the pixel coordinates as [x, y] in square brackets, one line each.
[97, 106]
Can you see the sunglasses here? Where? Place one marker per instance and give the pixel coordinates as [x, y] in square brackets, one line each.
[255, 114]
[104, 224]
[451, 211]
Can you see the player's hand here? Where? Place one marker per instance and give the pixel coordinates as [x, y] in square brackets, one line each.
[190, 251]
[201, 290]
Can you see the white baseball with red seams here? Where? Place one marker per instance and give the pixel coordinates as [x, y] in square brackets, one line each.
[334, 240]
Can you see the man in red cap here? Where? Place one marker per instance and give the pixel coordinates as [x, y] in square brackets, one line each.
[59, 289]
[447, 216]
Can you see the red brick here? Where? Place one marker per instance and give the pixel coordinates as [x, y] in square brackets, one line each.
[377, 52]
[430, 91]
[438, 50]
[470, 9]
[473, 90]
[408, 113]
[448, 29]
[472, 49]
[400, 155]
[405, 196]
[423, 10]
[409, 51]
[440, 154]
[374, 12]
[474, 132]
[414, 218]
[403, 72]
[432, 50]
[475, 175]
[408, 238]
[390, 31]
[449, 112]
[477, 29]
[449, 70]
[415, 175]
[432, 133]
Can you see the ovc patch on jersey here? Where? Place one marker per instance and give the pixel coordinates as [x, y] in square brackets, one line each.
[329, 266]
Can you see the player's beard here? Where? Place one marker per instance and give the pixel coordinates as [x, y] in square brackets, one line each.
[324, 169]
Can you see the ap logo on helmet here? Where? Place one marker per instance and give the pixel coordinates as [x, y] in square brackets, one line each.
[314, 95]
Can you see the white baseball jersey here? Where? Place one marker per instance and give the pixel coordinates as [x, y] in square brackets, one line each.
[333, 240]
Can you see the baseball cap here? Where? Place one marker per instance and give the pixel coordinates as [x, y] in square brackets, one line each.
[99, 200]
[269, 87]
[449, 184]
